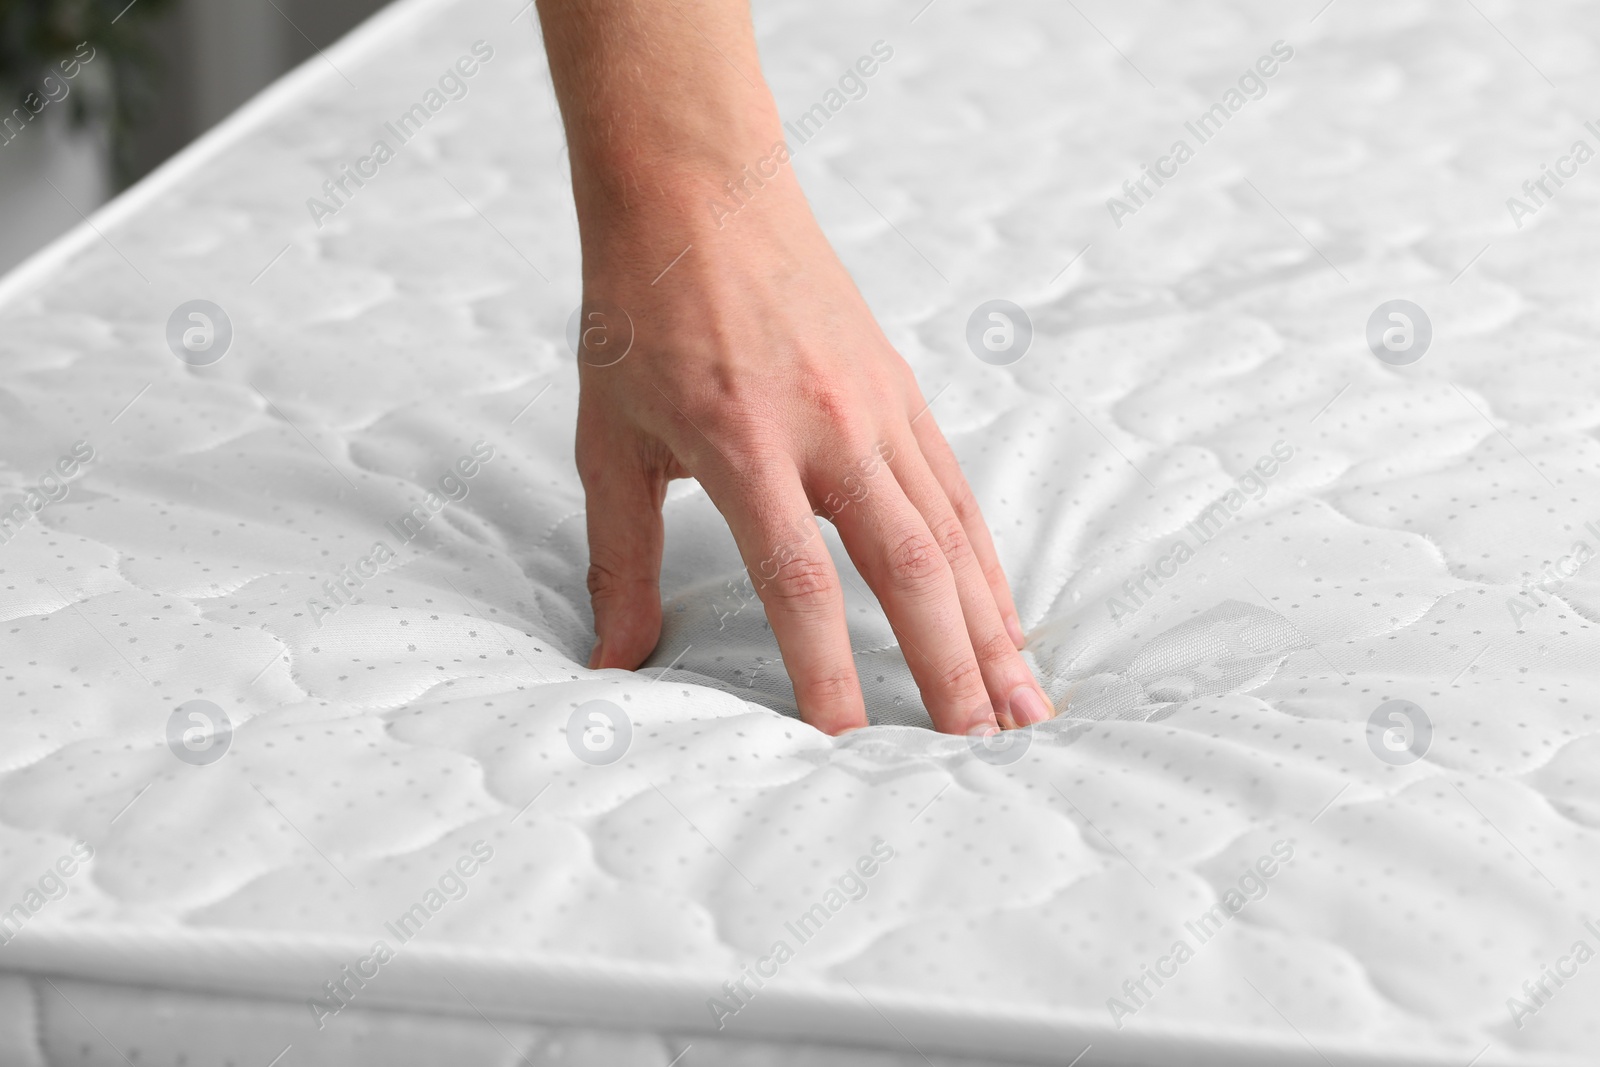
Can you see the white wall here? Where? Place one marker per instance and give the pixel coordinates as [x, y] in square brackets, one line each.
[48, 174]
[236, 47]
[218, 54]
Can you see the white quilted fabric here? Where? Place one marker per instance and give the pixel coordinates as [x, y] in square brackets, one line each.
[1213, 780]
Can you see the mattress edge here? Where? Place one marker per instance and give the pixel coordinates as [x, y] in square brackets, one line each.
[511, 986]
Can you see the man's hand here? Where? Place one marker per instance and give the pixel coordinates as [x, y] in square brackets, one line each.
[756, 368]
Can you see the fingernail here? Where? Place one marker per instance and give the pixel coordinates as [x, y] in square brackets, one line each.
[1014, 628]
[983, 721]
[983, 731]
[1027, 706]
[594, 657]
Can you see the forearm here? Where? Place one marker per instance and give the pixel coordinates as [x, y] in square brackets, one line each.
[663, 101]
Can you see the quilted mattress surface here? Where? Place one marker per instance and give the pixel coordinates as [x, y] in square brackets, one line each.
[298, 757]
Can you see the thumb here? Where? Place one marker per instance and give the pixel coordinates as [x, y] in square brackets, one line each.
[625, 542]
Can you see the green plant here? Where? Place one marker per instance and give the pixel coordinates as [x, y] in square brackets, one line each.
[37, 36]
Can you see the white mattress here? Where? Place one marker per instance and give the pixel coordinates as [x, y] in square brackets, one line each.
[1221, 716]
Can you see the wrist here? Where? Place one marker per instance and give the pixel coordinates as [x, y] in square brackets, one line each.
[676, 166]
[666, 110]
[668, 200]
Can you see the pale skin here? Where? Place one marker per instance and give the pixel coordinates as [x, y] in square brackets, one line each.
[757, 369]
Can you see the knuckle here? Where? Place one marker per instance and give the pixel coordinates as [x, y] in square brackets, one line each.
[996, 649]
[606, 582]
[832, 405]
[618, 569]
[952, 538]
[831, 688]
[803, 583]
[961, 677]
[914, 559]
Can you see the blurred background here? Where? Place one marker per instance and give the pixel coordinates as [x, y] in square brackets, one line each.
[94, 94]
